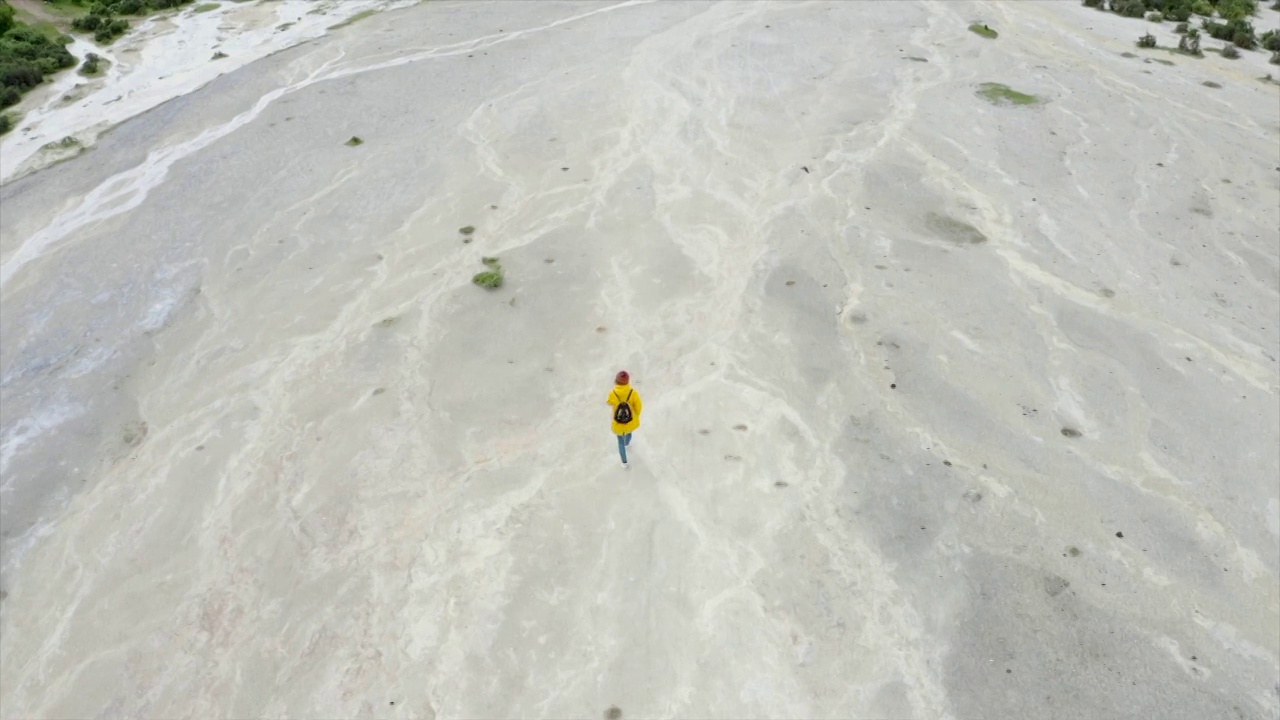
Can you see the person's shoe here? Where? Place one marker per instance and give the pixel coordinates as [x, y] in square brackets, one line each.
[626, 466]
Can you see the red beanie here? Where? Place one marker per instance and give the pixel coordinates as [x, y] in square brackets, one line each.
[623, 378]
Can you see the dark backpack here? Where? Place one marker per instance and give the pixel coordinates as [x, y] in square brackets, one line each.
[622, 413]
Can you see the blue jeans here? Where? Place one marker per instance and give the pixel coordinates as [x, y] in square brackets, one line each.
[623, 442]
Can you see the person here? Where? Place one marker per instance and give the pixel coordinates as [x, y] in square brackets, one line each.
[627, 406]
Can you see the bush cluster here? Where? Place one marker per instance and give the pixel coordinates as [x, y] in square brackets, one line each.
[1238, 31]
[1147, 41]
[26, 56]
[102, 19]
[1177, 10]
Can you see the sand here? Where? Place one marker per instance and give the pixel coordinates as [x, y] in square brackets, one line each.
[952, 409]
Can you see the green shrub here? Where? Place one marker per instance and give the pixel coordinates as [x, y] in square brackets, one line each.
[1180, 28]
[1178, 10]
[1155, 17]
[1230, 52]
[6, 124]
[1147, 41]
[1190, 43]
[91, 64]
[1201, 7]
[1275, 58]
[88, 23]
[1216, 30]
[1270, 40]
[1092, 3]
[492, 278]
[1129, 8]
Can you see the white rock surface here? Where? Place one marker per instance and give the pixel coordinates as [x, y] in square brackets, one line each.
[268, 453]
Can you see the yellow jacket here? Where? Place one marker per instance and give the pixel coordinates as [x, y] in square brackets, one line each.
[620, 394]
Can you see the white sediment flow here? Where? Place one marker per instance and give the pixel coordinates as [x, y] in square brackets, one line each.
[952, 409]
[163, 58]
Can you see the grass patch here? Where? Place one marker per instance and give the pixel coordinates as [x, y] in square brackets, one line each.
[1128, 55]
[69, 9]
[984, 31]
[467, 230]
[6, 123]
[492, 278]
[1147, 41]
[50, 31]
[1211, 84]
[354, 141]
[913, 58]
[1005, 95]
[354, 19]
[206, 7]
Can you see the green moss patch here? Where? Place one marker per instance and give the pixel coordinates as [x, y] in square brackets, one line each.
[983, 31]
[1005, 95]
